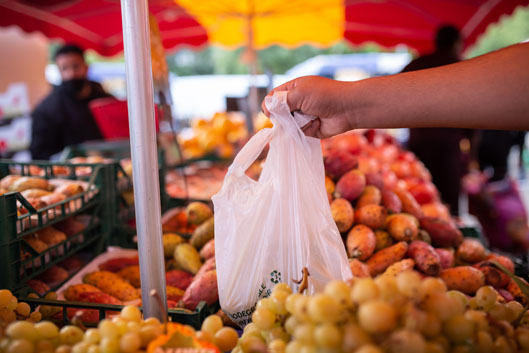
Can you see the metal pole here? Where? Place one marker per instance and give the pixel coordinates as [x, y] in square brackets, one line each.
[144, 154]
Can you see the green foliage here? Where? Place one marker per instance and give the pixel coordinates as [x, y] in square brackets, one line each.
[509, 30]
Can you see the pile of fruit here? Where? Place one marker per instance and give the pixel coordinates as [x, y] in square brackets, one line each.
[126, 332]
[216, 135]
[393, 314]
[392, 219]
[190, 268]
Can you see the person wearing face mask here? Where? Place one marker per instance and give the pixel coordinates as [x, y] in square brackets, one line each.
[64, 118]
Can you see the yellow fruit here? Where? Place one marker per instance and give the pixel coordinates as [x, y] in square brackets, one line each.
[170, 241]
[187, 258]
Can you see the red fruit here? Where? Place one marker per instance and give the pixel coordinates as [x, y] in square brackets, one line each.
[442, 233]
[505, 294]
[178, 278]
[446, 256]
[115, 265]
[389, 179]
[337, 163]
[407, 156]
[419, 171]
[424, 192]
[503, 260]
[436, 209]
[38, 286]
[401, 168]
[368, 165]
[349, 142]
[350, 185]
[386, 153]
[375, 179]
[427, 260]
[493, 275]
[391, 201]
[53, 275]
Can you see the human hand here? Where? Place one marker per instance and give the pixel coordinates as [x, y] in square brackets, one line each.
[327, 100]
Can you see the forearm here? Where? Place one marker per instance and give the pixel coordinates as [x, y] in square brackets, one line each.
[488, 92]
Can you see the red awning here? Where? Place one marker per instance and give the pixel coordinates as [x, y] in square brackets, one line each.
[414, 22]
[96, 24]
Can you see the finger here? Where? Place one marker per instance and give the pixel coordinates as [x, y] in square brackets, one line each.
[312, 129]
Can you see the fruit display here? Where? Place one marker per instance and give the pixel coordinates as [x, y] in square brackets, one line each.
[389, 314]
[392, 218]
[217, 135]
[125, 332]
[190, 268]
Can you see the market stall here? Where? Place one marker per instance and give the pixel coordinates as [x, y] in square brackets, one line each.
[419, 284]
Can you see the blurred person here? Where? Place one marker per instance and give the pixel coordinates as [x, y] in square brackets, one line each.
[64, 118]
[440, 149]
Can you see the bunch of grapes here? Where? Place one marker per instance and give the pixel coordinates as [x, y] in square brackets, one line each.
[402, 314]
[213, 331]
[11, 310]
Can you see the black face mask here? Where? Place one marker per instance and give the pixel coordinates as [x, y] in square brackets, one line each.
[74, 86]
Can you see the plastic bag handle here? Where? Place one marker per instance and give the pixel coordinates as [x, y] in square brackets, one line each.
[251, 151]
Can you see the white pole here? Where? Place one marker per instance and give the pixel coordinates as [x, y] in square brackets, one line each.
[140, 100]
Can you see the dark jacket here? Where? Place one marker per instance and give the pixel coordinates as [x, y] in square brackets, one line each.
[62, 120]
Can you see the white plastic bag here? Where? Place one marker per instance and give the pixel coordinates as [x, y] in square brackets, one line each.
[267, 231]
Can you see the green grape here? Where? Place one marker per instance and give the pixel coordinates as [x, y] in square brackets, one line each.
[431, 285]
[431, 326]
[5, 298]
[51, 296]
[368, 348]
[46, 330]
[433, 347]
[376, 316]
[405, 341]
[307, 349]
[387, 287]
[458, 328]
[282, 287]
[92, 336]
[81, 347]
[23, 309]
[304, 333]
[22, 330]
[278, 302]
[460, 299]
[94, 349]
[364, 289]
[264, 319]
[252, 344]
[290, 324]
[130, 342]
[522, 338]
[479, 318]
[409, 283]
[293, 347]
[226, 339]
[277, 346]
[12, 305]
[340, 291]
[131, 313]
[440, 305]
[323, 308]
[151, 321]
[44, 346]
[354, 337]
[108, 329]
[486, 297]
[70, 335]
[515, 307]
[64, 348]
[212, 324]
[109, 345]
[483, 342]
[201, 335]
[290, 302]
[20, 346]
[502, 345]
[499, 312]
[133, 326]
[301, 308]
[264, 303]
[150, 332]
[250, 327]
[327, 335]
[462, 348]
[35, 316]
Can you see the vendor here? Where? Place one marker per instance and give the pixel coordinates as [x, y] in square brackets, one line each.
[63, 118]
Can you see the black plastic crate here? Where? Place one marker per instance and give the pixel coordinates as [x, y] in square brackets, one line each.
[93, 202]
[181, 316]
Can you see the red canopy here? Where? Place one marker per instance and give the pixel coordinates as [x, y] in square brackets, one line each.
[414, 22]
[96, 24]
